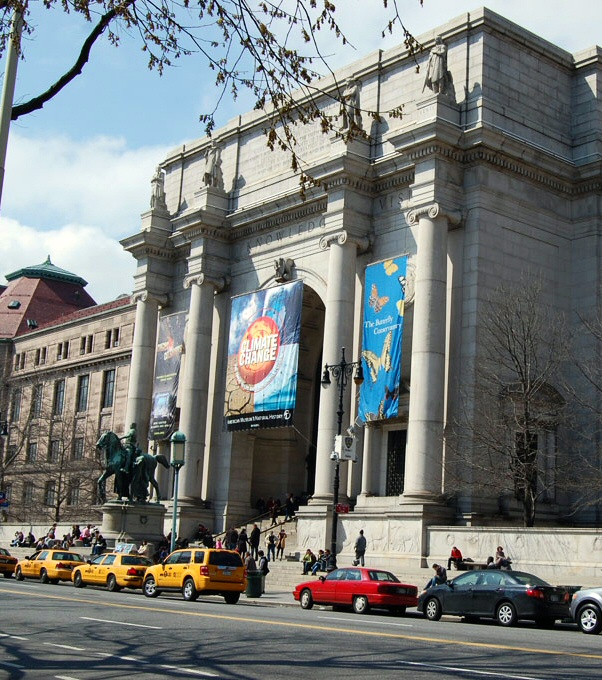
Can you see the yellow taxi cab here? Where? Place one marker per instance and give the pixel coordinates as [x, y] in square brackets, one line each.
[7, 563]
[196, 571]
[50, 566]
[113, 570]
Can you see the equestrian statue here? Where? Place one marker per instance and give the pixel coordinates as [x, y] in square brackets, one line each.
[134, 471]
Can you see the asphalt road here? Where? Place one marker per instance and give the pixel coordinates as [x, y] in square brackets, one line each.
[59, 632]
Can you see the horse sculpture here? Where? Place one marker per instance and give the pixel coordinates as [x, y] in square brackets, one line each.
[133, 470]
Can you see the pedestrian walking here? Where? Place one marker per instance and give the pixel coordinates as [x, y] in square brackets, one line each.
[360, 549]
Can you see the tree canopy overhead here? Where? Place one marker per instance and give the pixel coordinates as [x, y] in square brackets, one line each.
[270, 49]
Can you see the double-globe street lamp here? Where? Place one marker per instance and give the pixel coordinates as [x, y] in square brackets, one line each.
[178, 450]
[341, 372]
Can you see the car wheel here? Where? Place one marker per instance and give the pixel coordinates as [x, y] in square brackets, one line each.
[19, 574]
[506, 614]
[231, 598]
[112, 584]
[432, 609]
[150, 587]
[306, 600]
[78, 581]
[589, 619]
[189, 591]
[44, 576]
[360, 604]
[398, 611]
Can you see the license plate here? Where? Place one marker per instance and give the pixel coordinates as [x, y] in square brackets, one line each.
[554, 598]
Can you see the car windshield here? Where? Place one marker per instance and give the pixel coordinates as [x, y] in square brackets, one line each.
[72, 557]
[98, 559]
[382, 576]
[225, 559]
[135, 560]
[526, 579]
[3, 551]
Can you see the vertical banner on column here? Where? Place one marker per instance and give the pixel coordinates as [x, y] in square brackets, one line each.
[263, 353]
[167, 374]
[383, 329]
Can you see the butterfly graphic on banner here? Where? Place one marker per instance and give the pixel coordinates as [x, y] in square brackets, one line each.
[375, 301]
[375, 362]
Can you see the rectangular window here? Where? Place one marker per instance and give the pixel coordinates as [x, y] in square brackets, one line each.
[15, 409]
[36, 361]
[17, 361]
[62, 350]
[27, 494]
[83, 385]
[54, 451]
[85, 344]
[78, 449]
[8, 491]
[59, 398]
[50, 493]
[108, 389]
[32, 452]
[73, 492]
[112, 338]
[43, 355]
[36, 401]
[22, 365]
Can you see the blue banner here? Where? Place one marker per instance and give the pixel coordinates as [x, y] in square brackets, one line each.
[263, 356]
[381, 347]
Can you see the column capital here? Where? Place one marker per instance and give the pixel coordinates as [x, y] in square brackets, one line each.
[162, 299]
[342, 237]
[219, 283]
[432, 211]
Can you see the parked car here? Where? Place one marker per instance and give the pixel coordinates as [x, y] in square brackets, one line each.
[50, 566]
[586, 610]
[196, 571]
[359, 588]
[8, 563]
[506, 596]
[113, 570]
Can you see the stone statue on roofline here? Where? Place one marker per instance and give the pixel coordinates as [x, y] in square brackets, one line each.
[438, 79]
[350, 106]
[157, 201]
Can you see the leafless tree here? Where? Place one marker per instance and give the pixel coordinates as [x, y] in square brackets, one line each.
[268, 48]
[504, 440]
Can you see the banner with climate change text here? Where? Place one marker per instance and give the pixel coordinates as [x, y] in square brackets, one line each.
[263, 353]
[382, 333]
[167, 374]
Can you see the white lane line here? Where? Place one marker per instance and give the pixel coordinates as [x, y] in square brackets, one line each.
[472, 671]
[376, 623]
[18, 637]
[73, 649]
[121, 623]
[106, 655]
[192, 671]
[65, 677]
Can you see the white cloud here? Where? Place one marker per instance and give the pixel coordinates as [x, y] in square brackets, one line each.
[83, 250]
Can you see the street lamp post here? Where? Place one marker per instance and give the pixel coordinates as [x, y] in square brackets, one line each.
[178, 449]
[341, 373]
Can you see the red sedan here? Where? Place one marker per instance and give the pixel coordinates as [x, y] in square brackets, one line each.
[7, 563]
[360, 588]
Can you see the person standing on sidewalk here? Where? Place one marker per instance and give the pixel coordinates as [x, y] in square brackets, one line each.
[360, 549]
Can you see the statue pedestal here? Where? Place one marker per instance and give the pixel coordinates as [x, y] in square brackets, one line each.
[129, 522]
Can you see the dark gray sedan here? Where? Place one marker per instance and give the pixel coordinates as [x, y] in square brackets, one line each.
[506, 596]
[586, 610]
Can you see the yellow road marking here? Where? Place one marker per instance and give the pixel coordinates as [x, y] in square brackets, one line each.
[312, 627]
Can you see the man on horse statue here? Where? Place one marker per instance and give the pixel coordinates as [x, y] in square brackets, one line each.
[130, 448]
[133, 470]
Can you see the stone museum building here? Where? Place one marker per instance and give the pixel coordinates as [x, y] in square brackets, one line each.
[251, 295]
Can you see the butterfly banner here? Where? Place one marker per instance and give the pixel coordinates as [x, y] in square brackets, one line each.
[263, 354]
[383, 328]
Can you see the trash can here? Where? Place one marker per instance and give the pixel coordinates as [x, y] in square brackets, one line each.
[254, 584]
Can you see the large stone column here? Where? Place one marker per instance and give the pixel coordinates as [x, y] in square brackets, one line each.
[338, 332]
[424, 454]
[140, 388]
[194, 389]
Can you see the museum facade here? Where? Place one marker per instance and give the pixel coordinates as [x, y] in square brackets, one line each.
[492, 172]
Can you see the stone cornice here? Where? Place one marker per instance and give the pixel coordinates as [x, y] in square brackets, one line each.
[432, 211]
[299, 212]
[342, 237]
[219, 283]
[162, 299]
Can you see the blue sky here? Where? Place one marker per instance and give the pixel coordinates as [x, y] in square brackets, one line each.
[78, 171]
